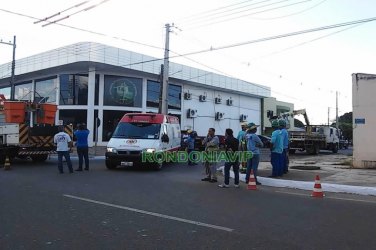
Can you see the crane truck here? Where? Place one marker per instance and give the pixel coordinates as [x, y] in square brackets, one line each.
[312, 138]
[27, 129]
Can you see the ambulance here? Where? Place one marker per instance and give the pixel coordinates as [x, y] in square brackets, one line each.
[140, 133]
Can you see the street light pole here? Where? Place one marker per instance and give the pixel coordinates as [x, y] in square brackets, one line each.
[164, 91]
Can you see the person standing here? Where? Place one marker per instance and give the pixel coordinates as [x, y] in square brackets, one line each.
[232, 146]
[253, 144]
[242, 144]
[285, 137]
[63, 147]
[276, 148]
[190, 142]
[211, 143]
[82, 146]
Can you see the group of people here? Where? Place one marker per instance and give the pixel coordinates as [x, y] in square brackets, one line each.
[64, 146]
[246, 140]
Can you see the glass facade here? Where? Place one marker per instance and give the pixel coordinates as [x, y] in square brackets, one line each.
[45, 90]
[23, 91]
[75, 116]
[74, 89]
[122, 91]
[5, 92]
[153, 92]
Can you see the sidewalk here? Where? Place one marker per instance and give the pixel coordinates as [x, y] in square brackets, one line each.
[334, 176]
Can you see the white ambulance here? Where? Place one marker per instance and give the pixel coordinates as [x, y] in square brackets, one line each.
[140, 133]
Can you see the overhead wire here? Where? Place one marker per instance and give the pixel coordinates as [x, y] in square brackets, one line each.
[60, 12]
[215, 13]
[292, 14]
[245, 15]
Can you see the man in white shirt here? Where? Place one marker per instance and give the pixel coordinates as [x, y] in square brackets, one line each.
[63, 147]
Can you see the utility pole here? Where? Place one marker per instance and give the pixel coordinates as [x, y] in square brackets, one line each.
[164, 106]
[328, 116]
[13, 66]
[337, 110]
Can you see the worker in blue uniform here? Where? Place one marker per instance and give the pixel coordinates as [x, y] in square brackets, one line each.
[276, 148]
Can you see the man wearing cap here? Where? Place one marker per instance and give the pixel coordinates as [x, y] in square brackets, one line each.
[253, 144]
[242, 144]
[276, 147]
[285, 137]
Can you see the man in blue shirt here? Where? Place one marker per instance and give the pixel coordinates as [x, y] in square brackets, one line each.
[277, 149]
[285, 137]
[253, 144]
[190, 141]
[82, 146]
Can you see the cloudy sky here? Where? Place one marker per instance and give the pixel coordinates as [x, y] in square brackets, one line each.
[305, 69]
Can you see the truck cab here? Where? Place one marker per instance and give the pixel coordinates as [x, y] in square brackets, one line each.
[139, 133]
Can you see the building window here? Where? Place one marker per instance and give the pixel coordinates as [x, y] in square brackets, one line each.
[23, 91]
[73, 116]
[5, 92]
[73, 89]
[111, 119]
[45, 90]
[153, 92]
[122, 91]
[96, 98]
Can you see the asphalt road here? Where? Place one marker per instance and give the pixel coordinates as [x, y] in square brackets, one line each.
[170, 209]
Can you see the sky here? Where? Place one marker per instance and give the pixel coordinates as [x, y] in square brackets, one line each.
[306, 69]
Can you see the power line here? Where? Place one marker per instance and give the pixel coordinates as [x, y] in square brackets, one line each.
[60, 12]
[248, 14]
[215, 13]
[282, 36]
[292, 14]
[84, 30]
[68, 16]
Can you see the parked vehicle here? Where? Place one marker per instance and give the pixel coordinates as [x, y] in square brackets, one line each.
[139, 133]
[27, 130]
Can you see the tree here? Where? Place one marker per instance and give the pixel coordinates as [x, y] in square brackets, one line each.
[345, 124]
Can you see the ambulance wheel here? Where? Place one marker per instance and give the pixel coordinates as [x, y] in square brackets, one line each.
[39, 158]
[110, 165]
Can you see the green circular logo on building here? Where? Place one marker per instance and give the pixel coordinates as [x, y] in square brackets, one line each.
[123, 91]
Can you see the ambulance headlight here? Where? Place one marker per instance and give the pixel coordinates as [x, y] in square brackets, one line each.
[150, 150]
[111, 150]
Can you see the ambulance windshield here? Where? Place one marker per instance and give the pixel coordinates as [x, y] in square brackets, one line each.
[137, 130]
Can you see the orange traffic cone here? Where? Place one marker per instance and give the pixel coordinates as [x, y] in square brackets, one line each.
[7, 163]
[317, 190]
[252, 182]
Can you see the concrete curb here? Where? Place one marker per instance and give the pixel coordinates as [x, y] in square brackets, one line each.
[308, 185]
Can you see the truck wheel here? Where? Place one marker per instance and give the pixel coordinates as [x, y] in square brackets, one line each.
[39, 158]
[110, 165]
[292, 151]
[335, 148]
[316, 149]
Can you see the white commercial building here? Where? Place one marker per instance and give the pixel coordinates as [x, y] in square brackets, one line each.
[90, 80]
[364, 120]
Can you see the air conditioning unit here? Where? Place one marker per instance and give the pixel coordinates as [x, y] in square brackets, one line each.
[192, 113]
[243, 118]
[202, 98]
[187, 96]
[218, 100]
[229, 102]
[219, 116]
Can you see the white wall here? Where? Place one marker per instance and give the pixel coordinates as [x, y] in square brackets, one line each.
[364, 105]
[249, 106]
